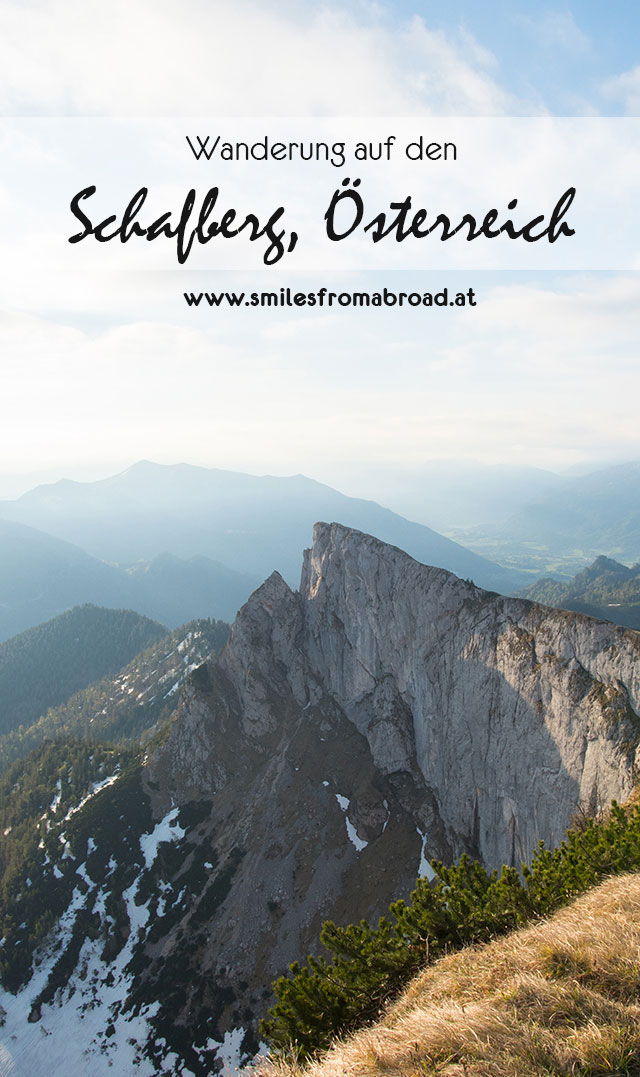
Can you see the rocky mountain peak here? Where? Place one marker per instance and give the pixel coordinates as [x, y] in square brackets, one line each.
[448, 684]
[386, 713]
[338, 551]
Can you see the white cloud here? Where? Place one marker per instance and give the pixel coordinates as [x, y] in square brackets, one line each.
[217, 57]
[520, 375]
[294, 327]
[557, 30]
[585, 323]
[625, 89]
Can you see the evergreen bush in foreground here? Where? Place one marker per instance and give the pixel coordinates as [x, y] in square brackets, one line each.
[369, 966]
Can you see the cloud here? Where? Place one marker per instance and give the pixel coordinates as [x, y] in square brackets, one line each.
[287, 329]
[519, 375]
[217, 57]
[557, 30]
[578, 325]
[625, 89]
[435, 64]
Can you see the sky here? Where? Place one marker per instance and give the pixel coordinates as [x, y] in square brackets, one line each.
[164, 57]
[104, 368]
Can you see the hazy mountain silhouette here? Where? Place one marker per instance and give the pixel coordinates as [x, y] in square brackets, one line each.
[598, 513]
[450, 494]
[41, 576]
[252, 524]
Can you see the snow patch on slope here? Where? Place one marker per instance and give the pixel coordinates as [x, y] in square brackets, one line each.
[85, 1028]
[96, 787]
[166, 830]
[230, 1051]
[425, 869]
[73, 1033]
[358, 842]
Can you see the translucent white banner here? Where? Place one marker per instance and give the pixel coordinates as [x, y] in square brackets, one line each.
[79, 195]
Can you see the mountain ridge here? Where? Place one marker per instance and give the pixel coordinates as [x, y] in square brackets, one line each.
[605, 589]
[131, 701]
[386, 713]
[487, 757]
[250, 523]
[42, 576]
[43, 666]
[569, 525]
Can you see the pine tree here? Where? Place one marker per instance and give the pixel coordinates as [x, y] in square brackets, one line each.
[465, 904]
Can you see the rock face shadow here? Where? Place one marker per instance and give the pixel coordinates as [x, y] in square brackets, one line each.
[503, 777]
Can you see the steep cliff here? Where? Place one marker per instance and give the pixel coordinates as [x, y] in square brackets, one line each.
[517, 714]
[385, 713]
[507, 716]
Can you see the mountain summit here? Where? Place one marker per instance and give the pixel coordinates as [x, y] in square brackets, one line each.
[386, 713]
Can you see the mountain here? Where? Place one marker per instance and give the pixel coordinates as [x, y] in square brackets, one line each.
[123, 706]
[385, 713]
[569, 525]
[451, 494]
[250, 523]
[42, 576]
[592, 513]
[45, 665]
[176, 590]
[605, 589]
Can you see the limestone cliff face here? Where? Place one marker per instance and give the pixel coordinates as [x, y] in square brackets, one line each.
[386, 710]
[516, 715]
[509, 715]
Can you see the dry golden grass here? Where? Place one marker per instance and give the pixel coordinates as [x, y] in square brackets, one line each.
[559, 998]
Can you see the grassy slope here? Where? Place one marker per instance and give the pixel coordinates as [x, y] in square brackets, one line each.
[561, 997]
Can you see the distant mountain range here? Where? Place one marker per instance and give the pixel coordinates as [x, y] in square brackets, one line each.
[175, 589]
[175, 542]
[448, 494]
[568, 525]
[606, 589]
[42, 576]
[592, 514]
